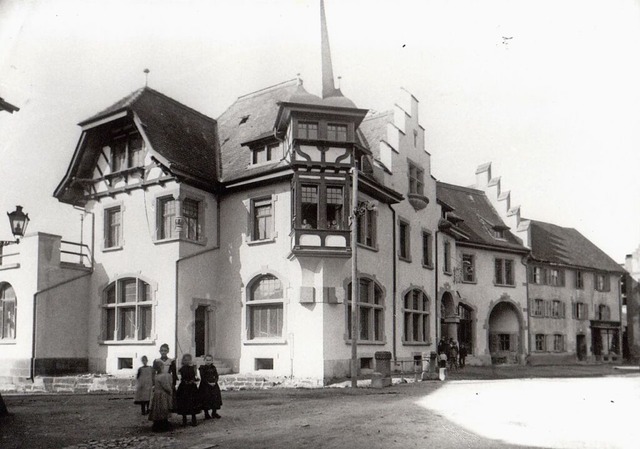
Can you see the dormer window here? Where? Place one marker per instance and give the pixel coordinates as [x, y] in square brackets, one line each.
[127, 151]
[498, 233]
[308, 130]
[266, 153]
[337, 133]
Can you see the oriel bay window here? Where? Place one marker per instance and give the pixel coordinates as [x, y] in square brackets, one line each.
[370, 312]
[265, 308]
[166, 218]
[127, 309]
[190, 217]
[321, 207]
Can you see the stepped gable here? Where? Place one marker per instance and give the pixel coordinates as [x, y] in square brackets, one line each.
[373, 130]
[478, 216]
[556, 244]
[184, 136]
[257, 111]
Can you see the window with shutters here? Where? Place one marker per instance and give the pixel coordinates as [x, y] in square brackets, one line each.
[558, 342]
[538, 307]
[579, 280]
[557, 309]
[602, 282]
[556, 277]
[580, 311]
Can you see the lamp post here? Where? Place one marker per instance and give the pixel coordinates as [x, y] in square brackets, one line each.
[18, 221]
[359, 209]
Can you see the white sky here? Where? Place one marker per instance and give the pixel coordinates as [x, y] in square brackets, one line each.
[556, 108]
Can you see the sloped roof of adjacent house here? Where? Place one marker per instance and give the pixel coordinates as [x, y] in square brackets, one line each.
[185, 137]
[478, 217]
[556, 244]
[373, 130]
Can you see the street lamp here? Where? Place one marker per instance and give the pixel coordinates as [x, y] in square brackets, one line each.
[18, 221]
[359, 209]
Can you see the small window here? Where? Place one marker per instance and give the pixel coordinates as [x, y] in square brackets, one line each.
[366, 363]
[504, 272]
[125, 363]
[112, 227]
[262, 219]
[266, 153]
[504, 342]
[468, 268]
[427, 252]
[264, 364]
[243, 119]
[579, 280]
[337, 133]
[538, 275]
[366, 231]
[405, 240]
[498, 233]
[308, 130]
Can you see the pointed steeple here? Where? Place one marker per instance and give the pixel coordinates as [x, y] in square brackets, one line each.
[328, 86]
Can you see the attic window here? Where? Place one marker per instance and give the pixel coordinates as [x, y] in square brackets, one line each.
[244, 119]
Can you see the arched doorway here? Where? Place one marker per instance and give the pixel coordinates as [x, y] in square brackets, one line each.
[504, 334]
[448, 317]
[465, 327]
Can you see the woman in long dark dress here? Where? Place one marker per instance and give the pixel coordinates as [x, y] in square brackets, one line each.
[187, 393]
[209, 391]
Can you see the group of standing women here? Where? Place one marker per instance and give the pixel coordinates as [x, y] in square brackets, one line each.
[158, 397]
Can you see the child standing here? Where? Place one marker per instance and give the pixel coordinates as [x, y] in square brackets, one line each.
[187, 393]
[209, 391]
[162, 400]
[144, 385]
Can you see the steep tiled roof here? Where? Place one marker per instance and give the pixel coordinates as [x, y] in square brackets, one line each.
[185, 137]
[260, 110]
[478, 216]
[556, 244]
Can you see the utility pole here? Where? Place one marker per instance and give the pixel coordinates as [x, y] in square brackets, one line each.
[355, 284]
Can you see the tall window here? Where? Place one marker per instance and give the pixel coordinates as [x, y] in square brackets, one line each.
[416, 317]
[7, 312]
[366, 232]
[337, 133]
[190, 217]
[557, 309]
[262, 219]
[558, 342]
[370, 310]
[127, 310]
[166, 218]
[335, 207]
[504, 272]
[309, 206]
[538, 307]
[307, 130]
[580, 311]
[579, 280]
[447, 257]
[416, 179]
[127, 151]
[538, 275]
[602, 282]
[468, 268]
[404, 251]
[556, 277]
[265, 308]
[540, 342]
[427, 252]
[504, 342]
[112, 227]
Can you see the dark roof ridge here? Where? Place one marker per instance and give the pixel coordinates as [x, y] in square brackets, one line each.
[265, 89]
[462, 188]
[177, 103]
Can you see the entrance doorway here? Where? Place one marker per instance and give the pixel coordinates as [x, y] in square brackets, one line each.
[581, 347]
[202, 330]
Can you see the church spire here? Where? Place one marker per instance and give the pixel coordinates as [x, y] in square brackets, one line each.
[328, 86]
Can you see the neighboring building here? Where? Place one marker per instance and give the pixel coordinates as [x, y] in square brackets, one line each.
[481, 278]
[573, 287]
[631, 306]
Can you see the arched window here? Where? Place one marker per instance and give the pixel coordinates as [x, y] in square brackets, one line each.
[7, 312]
[416, 317]
[265, 308]
[370, 310]
[127, 310]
